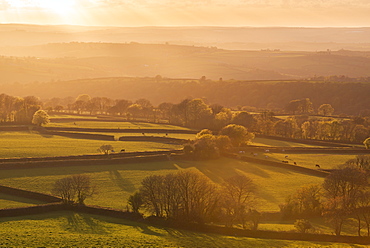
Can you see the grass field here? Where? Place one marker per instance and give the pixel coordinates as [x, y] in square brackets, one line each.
[278, 143]
[326, 161]
[113, 125]
[116, 182]
[66, 229]
[25, 144]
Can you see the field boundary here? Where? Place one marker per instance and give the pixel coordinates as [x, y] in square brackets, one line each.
[29, 194]
[84, 162]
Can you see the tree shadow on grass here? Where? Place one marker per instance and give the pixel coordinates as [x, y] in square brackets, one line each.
[221, 169]
[81, 223]
[123, 183]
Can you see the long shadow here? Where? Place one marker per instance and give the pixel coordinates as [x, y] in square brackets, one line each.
[124, 184]
[81, 223]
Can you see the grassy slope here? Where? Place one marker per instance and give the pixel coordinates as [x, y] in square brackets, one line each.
[326, 161]
[24, 144]
[75, 230]
[116, 182]
[112, 125]
[278, 143]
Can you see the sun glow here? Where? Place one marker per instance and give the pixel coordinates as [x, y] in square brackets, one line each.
[62, 7]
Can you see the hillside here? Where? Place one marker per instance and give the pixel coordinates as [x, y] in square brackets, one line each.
[67, 61]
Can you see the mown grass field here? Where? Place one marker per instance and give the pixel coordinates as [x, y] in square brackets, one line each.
[278, 143]
[112, 125]
[66, 229]
[308, 160]
[25, 144]
[115, 183]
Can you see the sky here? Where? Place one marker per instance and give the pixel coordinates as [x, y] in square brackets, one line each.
[296, 13]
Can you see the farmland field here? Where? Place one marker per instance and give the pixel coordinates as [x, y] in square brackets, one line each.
[66, 229]
[112, 125]
[25, 144]
[278, 143]
[116, 182]
[326, 161]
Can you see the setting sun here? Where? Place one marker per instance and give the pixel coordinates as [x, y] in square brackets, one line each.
[61, 7]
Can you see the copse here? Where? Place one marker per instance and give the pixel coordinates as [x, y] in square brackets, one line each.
[238, 134]
[190, 196]
[40, 118]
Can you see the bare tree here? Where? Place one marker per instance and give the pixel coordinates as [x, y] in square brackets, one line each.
[237, 194]
[64, 189]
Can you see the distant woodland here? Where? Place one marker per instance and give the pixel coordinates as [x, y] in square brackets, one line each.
[346, 98]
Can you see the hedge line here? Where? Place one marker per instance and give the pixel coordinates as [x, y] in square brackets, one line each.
[151, 138]
[82, 135]
[87, 157]
[83, 162]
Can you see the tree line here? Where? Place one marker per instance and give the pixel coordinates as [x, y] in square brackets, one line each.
[304, 121]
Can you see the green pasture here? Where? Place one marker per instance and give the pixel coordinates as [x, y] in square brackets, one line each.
[112, 125]
[9, 201]
[67, 229]
[25, 144]
[309, 160]
[169, 135]
[114, 183]
[278, 143]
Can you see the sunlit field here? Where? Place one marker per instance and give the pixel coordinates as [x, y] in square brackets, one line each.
[278, 143]
[66, 229]
[114, 183]
[112, 125]
[310, 160]
[25, 144]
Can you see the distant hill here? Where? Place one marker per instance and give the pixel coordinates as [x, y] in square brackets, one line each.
[234, 38]
[67, 61]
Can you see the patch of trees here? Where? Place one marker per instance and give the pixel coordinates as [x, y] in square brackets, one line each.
[207, 145]
[17, 109]
[344, 195]
[190, 196]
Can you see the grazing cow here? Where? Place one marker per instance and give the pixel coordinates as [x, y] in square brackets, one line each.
[267, 150]
[286, 156]
[317, 165]
[143, 134]
[266, 156]
[284, 161]
[123, 150]
[295, 163]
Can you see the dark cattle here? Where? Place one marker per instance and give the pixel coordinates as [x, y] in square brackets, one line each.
[318, 166]
[286, 156]
[295, 163]
[284, 161]
[123, 150]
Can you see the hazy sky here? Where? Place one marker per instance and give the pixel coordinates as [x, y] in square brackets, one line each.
[188, 12]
